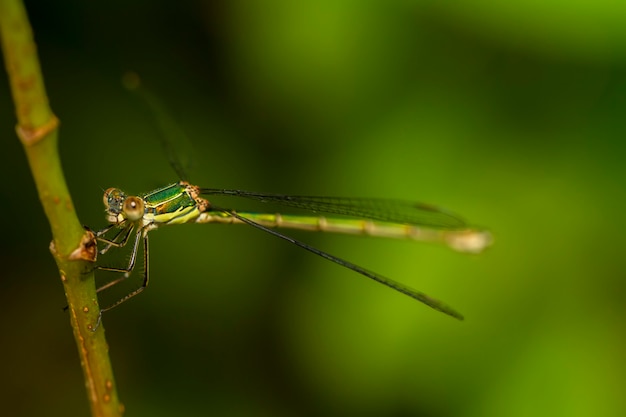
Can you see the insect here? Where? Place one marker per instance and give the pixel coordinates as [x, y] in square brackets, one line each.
[133, 217]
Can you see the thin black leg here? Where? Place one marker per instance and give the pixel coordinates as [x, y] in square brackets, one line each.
[114, 241]
[125, 271]
[144, 283]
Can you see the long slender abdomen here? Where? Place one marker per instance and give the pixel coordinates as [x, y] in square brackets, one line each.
[466, 240]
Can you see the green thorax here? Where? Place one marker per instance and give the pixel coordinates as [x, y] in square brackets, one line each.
[174, 204]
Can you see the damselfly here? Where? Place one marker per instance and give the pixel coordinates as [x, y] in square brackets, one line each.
[133, 217]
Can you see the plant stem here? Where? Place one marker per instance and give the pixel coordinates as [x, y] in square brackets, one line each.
[73, 248]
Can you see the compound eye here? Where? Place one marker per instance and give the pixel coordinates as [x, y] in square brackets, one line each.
[112, 196]
[133, 208]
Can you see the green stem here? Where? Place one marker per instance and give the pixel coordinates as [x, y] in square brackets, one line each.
[73, 249]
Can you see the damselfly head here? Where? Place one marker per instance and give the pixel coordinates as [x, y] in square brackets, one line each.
[113, 200]
[120, 208]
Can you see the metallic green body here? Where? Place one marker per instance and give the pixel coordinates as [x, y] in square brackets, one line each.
[180, 203]
[173, 204]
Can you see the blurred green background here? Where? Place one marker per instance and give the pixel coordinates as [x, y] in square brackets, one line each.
[511, 113]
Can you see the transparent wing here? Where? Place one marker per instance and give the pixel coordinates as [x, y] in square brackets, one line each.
[418, 295]
[394, 211]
